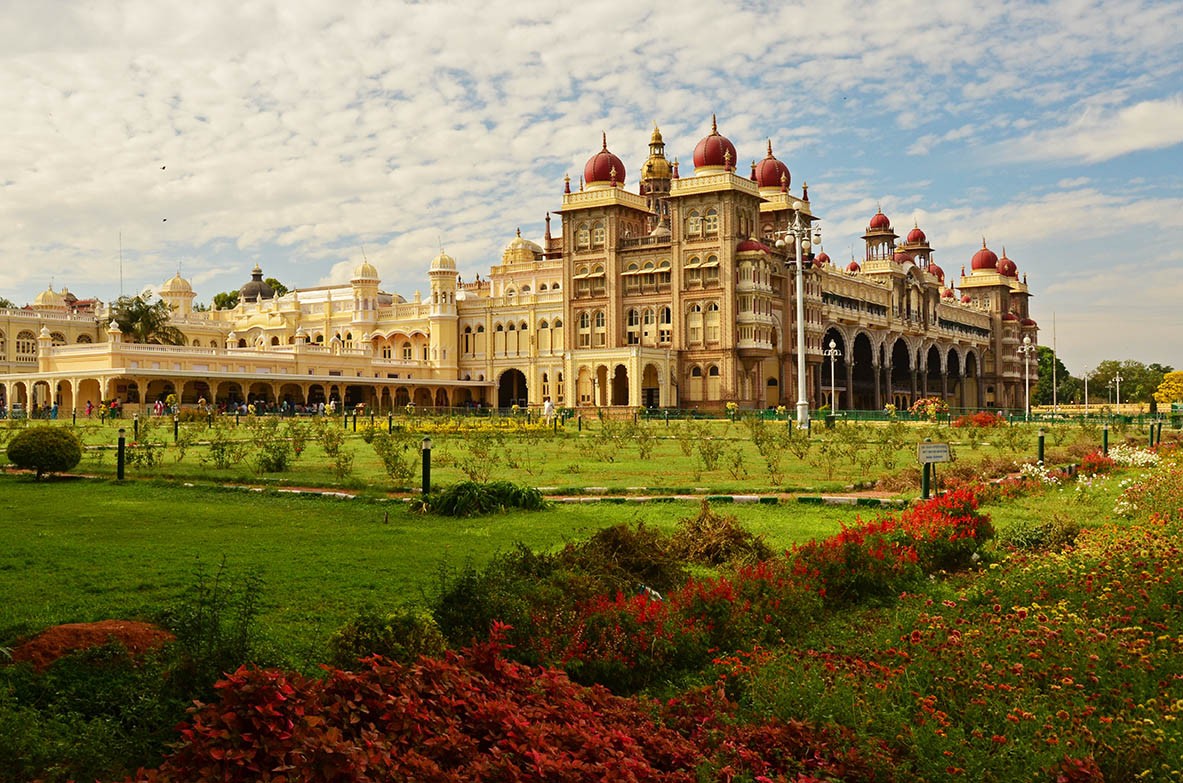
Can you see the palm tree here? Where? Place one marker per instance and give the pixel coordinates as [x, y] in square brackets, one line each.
[145, 322]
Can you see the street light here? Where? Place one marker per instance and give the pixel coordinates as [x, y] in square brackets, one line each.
[833, 353]
[1025, 350]
[798, 232]
[1087, 373]
[1118, 379]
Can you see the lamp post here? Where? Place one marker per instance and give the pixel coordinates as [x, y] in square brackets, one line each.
[1086, 393]
[799, 233]
[1025, 350]
[426, 450]
[1118, 379]
[832, 354]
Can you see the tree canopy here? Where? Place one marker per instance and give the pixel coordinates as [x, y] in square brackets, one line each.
[1171, 388]
[227, 300]
[142, 321]
[7, 303]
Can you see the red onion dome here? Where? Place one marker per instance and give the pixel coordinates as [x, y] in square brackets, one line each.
[965, 299]
[984, 259]
[1028, 322]
[715, 151]
[1006, 267]
[916, 236]
[772, 173]
[1009, 317]
[879, 221]
[603, 168]
[750, 245]
[821, 258]
[937, 272]
[948, 294]
[901, 257]
[853, 267]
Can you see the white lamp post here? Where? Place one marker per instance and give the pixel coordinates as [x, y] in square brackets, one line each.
[1118, 379]
[833, 353]
[799, 233]
[1086, 393]
[1026, 349]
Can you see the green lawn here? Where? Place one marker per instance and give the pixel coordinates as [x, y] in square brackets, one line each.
[83, 550]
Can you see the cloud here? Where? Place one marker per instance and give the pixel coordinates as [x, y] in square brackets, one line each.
[1100, 134]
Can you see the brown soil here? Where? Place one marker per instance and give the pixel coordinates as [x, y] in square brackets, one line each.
[53, 643]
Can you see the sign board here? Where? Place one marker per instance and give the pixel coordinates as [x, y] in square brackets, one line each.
[933, 452]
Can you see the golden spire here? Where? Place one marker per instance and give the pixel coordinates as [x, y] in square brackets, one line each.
[770, 148]
[605, 138]
[714, 126]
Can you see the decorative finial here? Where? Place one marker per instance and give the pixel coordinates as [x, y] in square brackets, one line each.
[753, 171]
[675, 168]
[519, 232]
[770, 148]
[727, 160]
[805, 192]
[714, 126]
[612, 174]
[566, 183]
[983, 243]
[605, 138]
[784, 182]
[1004, 251]
[548, 225]
[580, 183]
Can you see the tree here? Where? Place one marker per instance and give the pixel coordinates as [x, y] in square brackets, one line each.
[1171, 388]
[142, 321]
[227, 300]
[7, 304]
[1138, 381]
[279, 288]
[45, 450]
[1041, 393]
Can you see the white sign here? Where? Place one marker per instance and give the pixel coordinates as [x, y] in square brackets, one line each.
[933, 452]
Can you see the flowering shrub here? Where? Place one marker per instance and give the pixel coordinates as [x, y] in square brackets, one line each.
[1095, 463]
[629, 641]
[1039, 473]
[929, 407]
[475, 716]
[1129, 456]
[980, 419]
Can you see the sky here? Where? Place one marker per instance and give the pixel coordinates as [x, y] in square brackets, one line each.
[143, 138]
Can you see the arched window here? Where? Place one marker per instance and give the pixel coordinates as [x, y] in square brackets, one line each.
[599, 234]
[585, 330]
[558, 323]
[600, 336]
[584, 321]
[512, 326]
[499, 328]
[694, 323]
[85, 338]
[599, 319]
[694, 224]
[26, 347]
[633, 326]
[713, 371]
[712, 322]
[480, 329]
[543, 325]
[523, 327]
[696, 371]
[583, 237]
[57, 338]
[710, 223]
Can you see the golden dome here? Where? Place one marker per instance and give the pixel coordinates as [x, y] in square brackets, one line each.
[49, 299]
[521, 251]
[176, 285]
[443, 262]
[365, 271]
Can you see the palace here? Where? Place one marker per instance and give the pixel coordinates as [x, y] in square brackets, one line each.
[679, 294]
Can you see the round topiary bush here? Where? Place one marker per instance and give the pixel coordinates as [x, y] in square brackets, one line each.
[45, 450]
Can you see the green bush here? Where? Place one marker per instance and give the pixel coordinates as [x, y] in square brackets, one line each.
[472, 498]
[403, 636]
[1034, 534]
[45, 450]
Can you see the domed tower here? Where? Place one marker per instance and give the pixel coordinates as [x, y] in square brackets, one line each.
[50, 300]
[880, 237]
[771, 175]
[916, 245]
[655, 181]
[714, 152]
[178, 294]
[365, 293]
[604, 169]
[444, 339]
[256, 289]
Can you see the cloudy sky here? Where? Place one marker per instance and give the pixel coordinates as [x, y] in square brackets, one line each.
[212, 136]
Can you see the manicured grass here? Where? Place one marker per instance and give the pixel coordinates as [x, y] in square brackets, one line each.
[83, 550]
[574, 458]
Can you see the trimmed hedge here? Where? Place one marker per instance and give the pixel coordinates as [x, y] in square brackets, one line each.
[45, 450]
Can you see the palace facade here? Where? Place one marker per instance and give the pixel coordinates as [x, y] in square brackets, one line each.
[681, 293]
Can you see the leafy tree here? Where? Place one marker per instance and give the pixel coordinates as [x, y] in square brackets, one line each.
[45, 450]
[1171, 388]
[142, 321]
[1138, 381]
[227, 300]
[279, 288]
[1041, 392]
[7, 304]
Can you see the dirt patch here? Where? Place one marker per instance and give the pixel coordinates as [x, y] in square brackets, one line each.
[53, 643]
